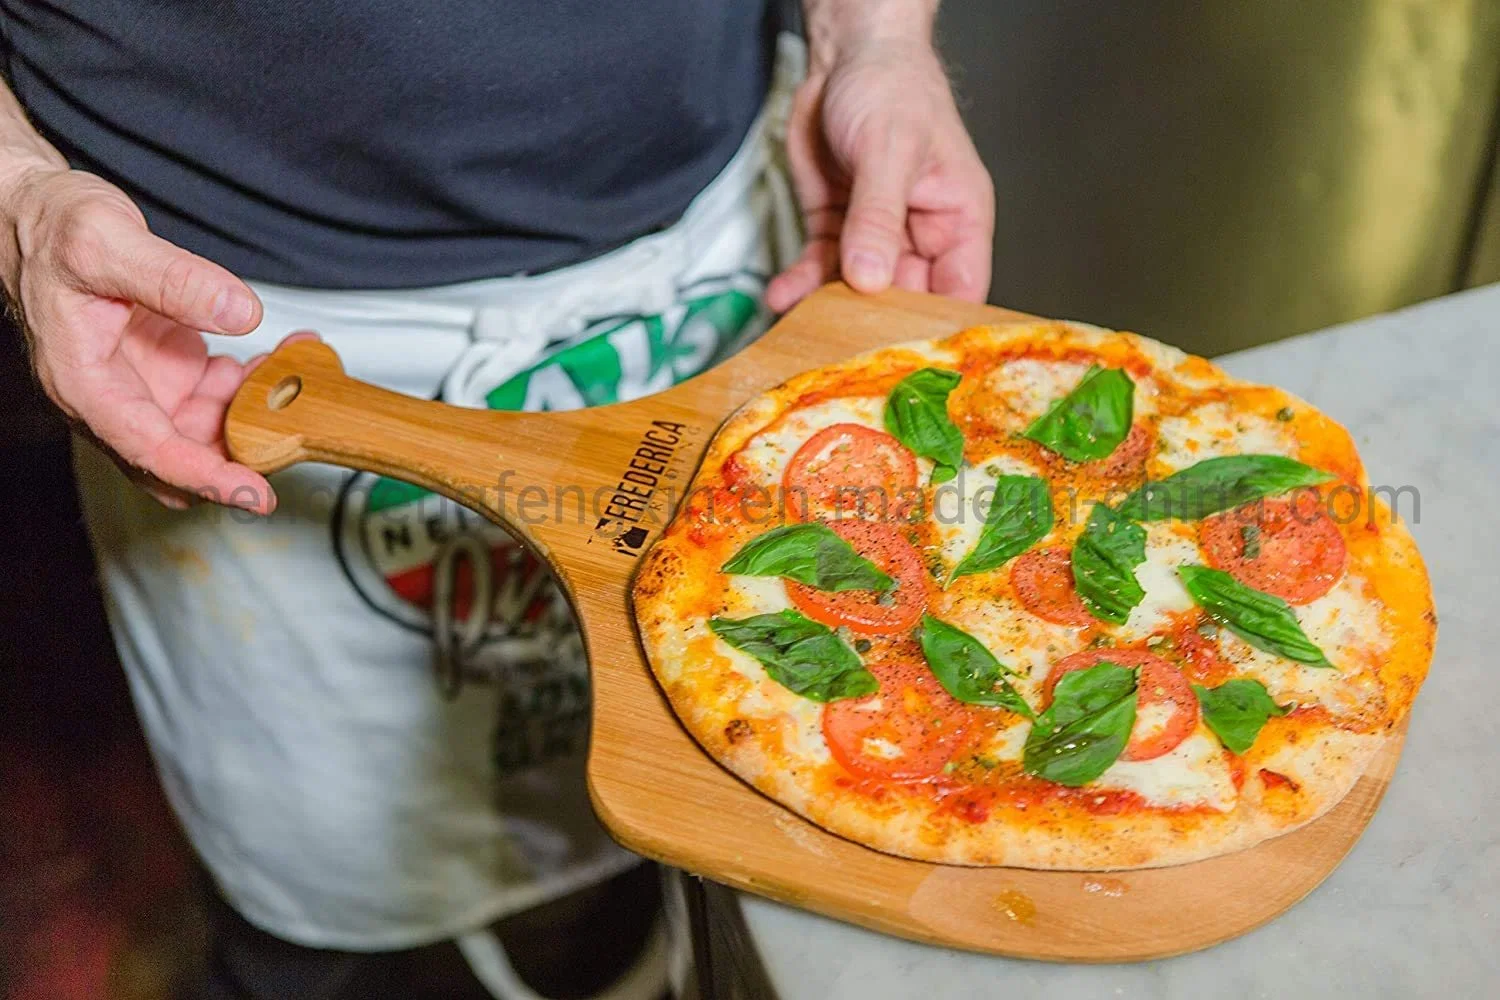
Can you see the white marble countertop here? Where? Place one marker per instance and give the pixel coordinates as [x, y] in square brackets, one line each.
[1414, 910]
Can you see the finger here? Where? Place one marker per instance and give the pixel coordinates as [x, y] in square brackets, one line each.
[823, 224]
[820, 192]
[254, 361]
[120, 259]
[200, 419]
[202, 470]
[817, 265]
[201, 416]
[912, 273]
[168, 500]
[172, 499]
[809, 160]
[957, 236]
[875, 224]
[222, 378]
[963, 271]
[793, 285]
[169, 358]
[223, 375]
[136, 429]
[167, 496]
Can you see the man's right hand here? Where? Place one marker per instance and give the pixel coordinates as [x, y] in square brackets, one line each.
[112, 315]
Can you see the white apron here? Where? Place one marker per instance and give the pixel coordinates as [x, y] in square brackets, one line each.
[284, 668]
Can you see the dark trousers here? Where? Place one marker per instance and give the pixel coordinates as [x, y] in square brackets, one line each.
[570, 948]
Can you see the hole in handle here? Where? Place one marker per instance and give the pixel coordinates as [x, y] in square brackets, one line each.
[283, 392]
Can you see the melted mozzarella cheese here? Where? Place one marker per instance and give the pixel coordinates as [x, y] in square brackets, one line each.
[1024, 643]
[1346, 625]
[1029, 385]
[1215, 429]
[755, 595]
[1009, 743]
[1167, 547]
[960, 506]
[1196, 772]
[765, 456]
[802, 718]
[759, 595]
[1152, 719]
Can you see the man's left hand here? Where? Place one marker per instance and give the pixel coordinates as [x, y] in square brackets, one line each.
[887, 177]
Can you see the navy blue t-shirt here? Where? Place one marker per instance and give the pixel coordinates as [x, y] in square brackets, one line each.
[394, 143]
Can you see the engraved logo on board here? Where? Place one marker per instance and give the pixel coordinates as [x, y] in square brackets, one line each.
[642, 498]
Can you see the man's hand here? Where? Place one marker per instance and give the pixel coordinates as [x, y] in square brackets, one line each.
[888, 179]
[112, 315]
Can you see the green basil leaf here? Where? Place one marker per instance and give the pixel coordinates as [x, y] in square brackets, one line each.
[1104, 561]
[916, 414]
[1020, 515]
[1236, 710]
[809, 553]
[1263, 620]
[801, 655]
[966, 669]
[1091, 420]
[1085, 728]
[1216, 484]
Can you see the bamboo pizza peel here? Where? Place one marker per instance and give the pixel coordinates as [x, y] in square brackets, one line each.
[589, 490]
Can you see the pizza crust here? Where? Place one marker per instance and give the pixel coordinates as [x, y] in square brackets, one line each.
[1299, 768]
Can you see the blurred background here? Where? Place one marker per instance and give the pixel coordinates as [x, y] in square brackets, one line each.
[1216, 175]
[1222, 174]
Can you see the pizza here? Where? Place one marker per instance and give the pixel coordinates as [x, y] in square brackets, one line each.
[1038, 595]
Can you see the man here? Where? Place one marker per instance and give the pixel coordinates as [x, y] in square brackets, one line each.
[540, 208]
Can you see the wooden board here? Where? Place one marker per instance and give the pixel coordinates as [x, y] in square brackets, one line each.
[565, 484]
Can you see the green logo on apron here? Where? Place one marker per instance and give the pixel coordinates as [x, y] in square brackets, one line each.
[635, 357]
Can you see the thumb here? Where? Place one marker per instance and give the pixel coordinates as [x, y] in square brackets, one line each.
[875, 223]
[147, 270]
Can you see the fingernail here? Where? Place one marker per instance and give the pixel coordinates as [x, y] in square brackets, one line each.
[233, 309]
[868, 270]
[251, 500]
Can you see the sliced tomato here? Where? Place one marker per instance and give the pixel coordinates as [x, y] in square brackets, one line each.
[1128, 460]
[907, 730]
[1160, 684]
[850, 470]
[1043, 582]
[866, 611]
[1196, 653]
[1292, 550]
